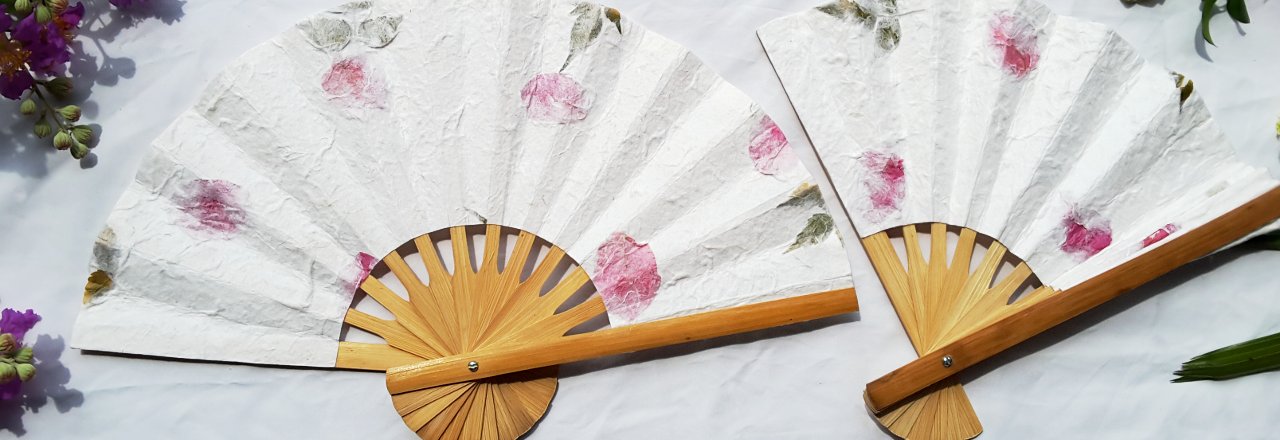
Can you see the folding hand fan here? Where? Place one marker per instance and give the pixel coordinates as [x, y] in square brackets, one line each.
[259, 212]
[1043, 142]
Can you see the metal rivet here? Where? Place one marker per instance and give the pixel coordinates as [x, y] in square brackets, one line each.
[946, 362]
[475, 366]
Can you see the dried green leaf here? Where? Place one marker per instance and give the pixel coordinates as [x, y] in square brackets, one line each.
[586, 29]
[327, 33]
[818, 228]
[889, 34]
[378, 32]
[807, 195]
[881, 17]
[356, 6]
[849, 9]
[98, 281]
[614, 16]
[1185, 85]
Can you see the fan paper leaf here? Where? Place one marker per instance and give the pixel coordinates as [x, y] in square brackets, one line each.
[586, 29]
[817, 229]
[326, 33]
[378, 32]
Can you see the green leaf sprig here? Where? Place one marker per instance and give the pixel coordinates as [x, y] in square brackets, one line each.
[58, 121]
[1208, 8]
[1249, 357]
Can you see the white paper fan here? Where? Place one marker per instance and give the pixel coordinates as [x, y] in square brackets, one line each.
[998, 118]
[260, 210]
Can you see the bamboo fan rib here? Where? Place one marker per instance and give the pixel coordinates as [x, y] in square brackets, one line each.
[997, 118]
[470, 309]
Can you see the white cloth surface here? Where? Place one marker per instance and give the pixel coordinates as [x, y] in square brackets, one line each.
[1104, 375]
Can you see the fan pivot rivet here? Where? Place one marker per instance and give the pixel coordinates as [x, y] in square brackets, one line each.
[946, 362]
[475, 366]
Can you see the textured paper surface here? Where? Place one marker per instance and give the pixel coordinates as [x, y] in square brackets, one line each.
[1046, 132]
[241, 237]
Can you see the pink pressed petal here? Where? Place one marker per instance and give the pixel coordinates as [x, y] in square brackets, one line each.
[1159, 234]
[885, 182]
[1016, 41]
[349, 80]
[212, 206]
[1081, 240]
[768, 147]
[626, 275]
[554, 97]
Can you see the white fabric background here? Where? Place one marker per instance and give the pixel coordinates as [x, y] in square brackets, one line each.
[1104, 375]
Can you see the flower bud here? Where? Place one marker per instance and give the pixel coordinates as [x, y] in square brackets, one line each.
[70, 112]
[62, 140]
[60, 87]
[79, 150]
[23, 356]
[82, 134]
[7, 372]
[7, 344]
[43, 14]
[22, 6]
[26, 371]
[42, 129]
[58, 5]
[28, 107]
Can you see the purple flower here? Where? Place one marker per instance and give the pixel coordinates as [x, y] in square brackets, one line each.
[5, 20]
[17, 323]
[47, 43]
[70, 18]
[11, 389]
[13, 85]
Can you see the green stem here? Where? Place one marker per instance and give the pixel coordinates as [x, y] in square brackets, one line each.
[57, 118]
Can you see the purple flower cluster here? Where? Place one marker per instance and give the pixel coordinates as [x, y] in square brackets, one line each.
[17, 324]
[33, 48]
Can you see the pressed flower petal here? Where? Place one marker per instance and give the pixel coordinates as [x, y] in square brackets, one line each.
[627, 275]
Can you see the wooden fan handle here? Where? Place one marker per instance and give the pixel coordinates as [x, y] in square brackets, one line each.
[887, 391]
[509, 359]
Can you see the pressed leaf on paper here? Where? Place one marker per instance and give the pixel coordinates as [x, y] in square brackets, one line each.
[818, 228]
[807, 195]
[1185, 86]
[882, 18]
[586, 29]
[327, 33]
[378, 32]
[98, 281]
[614, 16]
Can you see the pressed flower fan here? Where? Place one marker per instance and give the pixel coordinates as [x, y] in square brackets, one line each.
[966, 136]
[510, 172]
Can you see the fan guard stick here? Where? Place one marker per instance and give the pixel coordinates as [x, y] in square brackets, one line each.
[886, 392]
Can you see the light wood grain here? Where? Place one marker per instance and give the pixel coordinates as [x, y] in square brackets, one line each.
[978, 323]
[486, 313]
